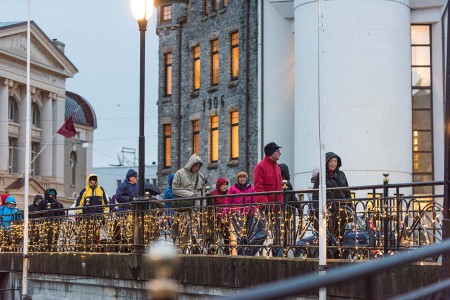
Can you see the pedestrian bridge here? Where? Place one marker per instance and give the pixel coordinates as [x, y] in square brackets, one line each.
[224, 248]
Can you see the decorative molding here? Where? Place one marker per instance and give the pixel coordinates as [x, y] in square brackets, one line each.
[9, 83]
[36, 133]
[13, 129]
[52, 96]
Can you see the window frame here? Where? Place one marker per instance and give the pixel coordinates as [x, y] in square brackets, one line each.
[234, 61]
[168, 73]
[215, 78]
[234, 136]
[214, 136]
[196, 68]
[165, 10]
[195, 136]
[167, 144]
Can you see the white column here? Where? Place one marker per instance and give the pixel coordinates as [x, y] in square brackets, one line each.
[4, 142]
[47, 135]
[59, 141]
[365, 88]
[22, 117]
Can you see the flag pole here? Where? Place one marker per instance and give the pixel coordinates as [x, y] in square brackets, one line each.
[27, 164]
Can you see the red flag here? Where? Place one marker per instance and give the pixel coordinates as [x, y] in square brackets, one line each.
[67, 129]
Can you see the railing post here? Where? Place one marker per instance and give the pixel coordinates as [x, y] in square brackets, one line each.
[138, 214]
[385, 213]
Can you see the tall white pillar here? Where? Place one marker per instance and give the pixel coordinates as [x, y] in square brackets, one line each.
[4, 142]
[58, 149]
[22, 118]
[47, 135]
[365, 88]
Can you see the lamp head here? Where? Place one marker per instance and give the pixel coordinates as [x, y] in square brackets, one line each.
[142, 9]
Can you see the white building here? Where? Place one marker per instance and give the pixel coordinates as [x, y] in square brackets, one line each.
[63, 162]
[376, 69]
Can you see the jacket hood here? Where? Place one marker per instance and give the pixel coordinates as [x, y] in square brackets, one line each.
[330, 155]
[194, 159]
[89, 176]
[170, 178]
[10, 199]
[130, 173]
[220, 181]
[4, 196]
[50, 191]
[285, 171]
[37, 198]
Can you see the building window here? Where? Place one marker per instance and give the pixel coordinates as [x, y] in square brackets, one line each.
[166, 13]
[422, 106]
[215, 5]
[167, 74]
[12, 110]
[234, 55]
[35, 116]
[167, 145]
[215, 62]
[224, 3]
[196, 69]
[234, 135]
[214, 155]
[13, 156]
[73, 161]
[206, 7]
[35, 170]
[196, 136]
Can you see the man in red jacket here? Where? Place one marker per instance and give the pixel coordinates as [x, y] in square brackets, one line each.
[267, 175]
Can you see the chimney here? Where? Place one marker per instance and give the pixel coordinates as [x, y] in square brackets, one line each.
[58, 44]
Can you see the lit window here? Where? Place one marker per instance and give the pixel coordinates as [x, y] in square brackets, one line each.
[234, 56]
[167, 145]
[196, 136]
[215, 62]
[196, 69]
[166, 13]
[214, 139]
[234, 136]
[215, 5]
[168, 74]
[224, 3]
[206, 7]
[422, 108]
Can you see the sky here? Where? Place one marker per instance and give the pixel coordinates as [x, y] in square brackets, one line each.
[102, 41]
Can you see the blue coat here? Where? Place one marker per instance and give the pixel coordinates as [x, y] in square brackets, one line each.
[8, 215]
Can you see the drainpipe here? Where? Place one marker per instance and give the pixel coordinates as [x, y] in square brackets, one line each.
[180, 22]
[262, 79]
[247, 83]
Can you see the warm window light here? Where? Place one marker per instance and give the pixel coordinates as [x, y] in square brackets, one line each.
[142, 9]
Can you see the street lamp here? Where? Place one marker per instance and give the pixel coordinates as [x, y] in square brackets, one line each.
[142, 10]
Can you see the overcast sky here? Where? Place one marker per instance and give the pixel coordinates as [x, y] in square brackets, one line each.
[102, 41]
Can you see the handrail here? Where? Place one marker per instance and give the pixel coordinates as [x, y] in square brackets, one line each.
[300, 284]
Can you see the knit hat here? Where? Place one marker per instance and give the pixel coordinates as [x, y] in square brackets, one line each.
[270, 148]
[131, 173]
[241, 174]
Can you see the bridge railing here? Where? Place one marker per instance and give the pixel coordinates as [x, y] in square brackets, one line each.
[376, 220]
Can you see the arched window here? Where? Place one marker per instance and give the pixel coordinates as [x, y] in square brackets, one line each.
[12, 109]
[35, 115]
[73, 160]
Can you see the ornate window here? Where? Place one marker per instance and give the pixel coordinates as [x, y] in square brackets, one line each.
[196, 136]
[167, 74]
[215, 62]
[167, 145]
[422, 106]
[234, 37]
[196, 68]
[234, 135]
[214, 154]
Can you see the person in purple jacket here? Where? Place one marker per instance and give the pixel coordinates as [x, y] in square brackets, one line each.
[242, 186]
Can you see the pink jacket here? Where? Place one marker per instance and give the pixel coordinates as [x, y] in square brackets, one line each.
[267, 178]
[237, 189]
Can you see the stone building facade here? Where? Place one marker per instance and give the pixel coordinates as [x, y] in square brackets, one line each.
[208, 87]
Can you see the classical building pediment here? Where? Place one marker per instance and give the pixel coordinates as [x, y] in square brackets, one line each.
[45, 56]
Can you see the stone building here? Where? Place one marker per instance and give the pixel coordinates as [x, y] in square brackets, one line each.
[208, 94]
[369, 73]
[63, 162]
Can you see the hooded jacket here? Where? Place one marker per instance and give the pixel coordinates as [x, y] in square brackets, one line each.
[50, 203]
[241, 189]
[33, 207]
[333, 180]
[96, 196]
[267, 178]
[126, 191]
[220, 200]
[3, 199]
[168, 193]
[8, 215]
[187, 184]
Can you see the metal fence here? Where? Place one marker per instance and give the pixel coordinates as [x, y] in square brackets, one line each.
[376, 220]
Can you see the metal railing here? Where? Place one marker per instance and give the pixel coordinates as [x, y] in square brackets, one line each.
[378, 220]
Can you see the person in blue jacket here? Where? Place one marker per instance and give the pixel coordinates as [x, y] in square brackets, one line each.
[10, 213]
[127, 190]
[168, 193]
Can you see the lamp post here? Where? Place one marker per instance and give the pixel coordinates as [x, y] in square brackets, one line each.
[142, 10]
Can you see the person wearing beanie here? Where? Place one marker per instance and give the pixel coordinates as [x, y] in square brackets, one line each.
[267, 175]
[242, 186]
[9, 213]
[3, 199]
[92, 195]
[127, 190]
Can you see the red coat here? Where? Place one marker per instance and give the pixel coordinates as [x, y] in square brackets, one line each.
[267, 178]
